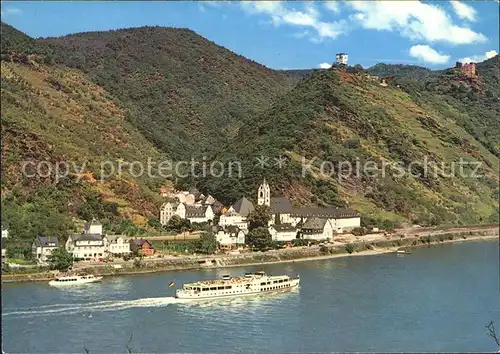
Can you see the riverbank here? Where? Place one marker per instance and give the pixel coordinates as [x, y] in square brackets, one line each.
[299, 254]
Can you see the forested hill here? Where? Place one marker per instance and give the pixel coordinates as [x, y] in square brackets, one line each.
[337, 117]
[126, 95]
[52, 114]
[186, 94]
[165, 93]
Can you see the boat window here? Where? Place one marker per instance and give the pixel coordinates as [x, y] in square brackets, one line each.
[262, 283]
[228, 287]
[213, 288]
[220, 288]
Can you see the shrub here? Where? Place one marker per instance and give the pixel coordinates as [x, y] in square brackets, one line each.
[359, 231]
[127, 256]
[138, 263]
[299, 242]
[426, 239]
[352, 144]
[350, 248]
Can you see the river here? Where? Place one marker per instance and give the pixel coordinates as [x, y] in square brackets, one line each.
[439, 298]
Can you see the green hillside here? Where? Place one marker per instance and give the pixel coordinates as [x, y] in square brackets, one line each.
[186, 94]
[476, 105]
[52, 115]
[162, 93]
[335, 116]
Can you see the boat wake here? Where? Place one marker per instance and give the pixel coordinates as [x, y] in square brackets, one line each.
[87, 309]
[100, 306]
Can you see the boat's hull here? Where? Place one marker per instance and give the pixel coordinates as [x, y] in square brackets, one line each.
[249, 293]
[76, 283]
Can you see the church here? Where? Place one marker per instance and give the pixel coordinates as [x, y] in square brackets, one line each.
[312, 221]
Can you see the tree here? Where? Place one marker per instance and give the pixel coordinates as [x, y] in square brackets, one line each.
[19, 251]
[177, 224]
[61, 260]
[207, 243]
[259, 238]
[259, 217]
[154, 223]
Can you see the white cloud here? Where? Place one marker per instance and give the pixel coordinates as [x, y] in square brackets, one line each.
[333, 6]
[325, 66]
[281, 14]
[10, 11]
[479, 58]
[464, 11]
[428, 54]
[413, 19]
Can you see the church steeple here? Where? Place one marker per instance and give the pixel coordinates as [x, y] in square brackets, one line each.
[264, 194]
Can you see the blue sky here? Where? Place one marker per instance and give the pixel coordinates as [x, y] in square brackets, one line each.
[292, 35]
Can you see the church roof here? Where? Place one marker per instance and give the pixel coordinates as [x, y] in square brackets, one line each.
[281, 205]
[195, 211]
[87, 237]
[284, 227]
[243, 207]
[330, 212]
[315, 224]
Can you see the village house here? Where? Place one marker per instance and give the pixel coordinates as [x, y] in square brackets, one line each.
[87, 246]
[201, 211]
[198, 214]
[142, 246]
[5, 233]
[317, 229]
[43, 246]
[283, 232]
[117, 245]
[90, 245]
[237, 214]
[230, 237]
[167, 210]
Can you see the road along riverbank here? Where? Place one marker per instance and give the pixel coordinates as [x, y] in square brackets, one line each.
[360, 247]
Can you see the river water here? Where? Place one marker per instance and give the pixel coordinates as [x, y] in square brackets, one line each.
[436, 299]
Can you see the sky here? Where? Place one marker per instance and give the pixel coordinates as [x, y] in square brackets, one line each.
[292, 35]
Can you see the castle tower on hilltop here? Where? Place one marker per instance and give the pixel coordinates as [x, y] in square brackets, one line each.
[264, 194]
[341, 58]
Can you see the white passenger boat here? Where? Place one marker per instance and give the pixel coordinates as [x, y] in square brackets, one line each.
[71, 280]
[250, 284]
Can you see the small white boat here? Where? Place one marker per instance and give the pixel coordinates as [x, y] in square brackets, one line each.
[402, 252]
[72, 280]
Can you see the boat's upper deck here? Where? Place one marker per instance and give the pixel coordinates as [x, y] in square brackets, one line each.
[236, 280]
